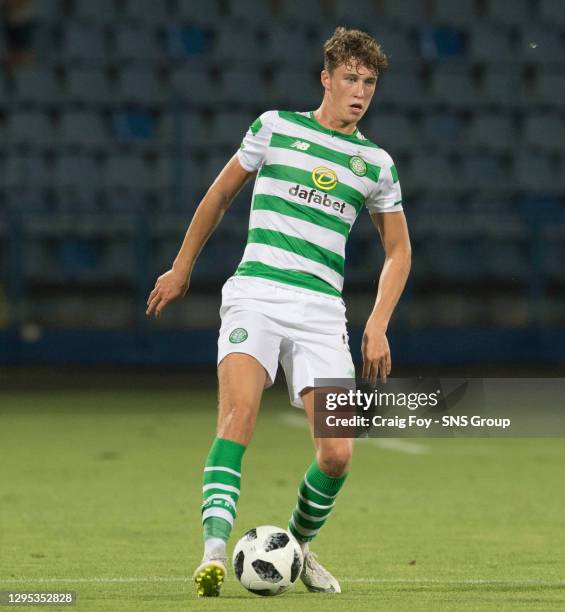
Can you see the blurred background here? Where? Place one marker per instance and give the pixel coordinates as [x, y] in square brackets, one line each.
[116, 115]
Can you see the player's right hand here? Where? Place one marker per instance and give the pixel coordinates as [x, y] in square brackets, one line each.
[169, 286]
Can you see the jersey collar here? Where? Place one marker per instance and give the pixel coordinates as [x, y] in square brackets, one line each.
[351, 137]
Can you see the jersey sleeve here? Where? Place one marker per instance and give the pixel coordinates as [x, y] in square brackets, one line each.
[254, 146]
[387, 196]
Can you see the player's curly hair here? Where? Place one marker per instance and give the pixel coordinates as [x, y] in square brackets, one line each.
[352, 47]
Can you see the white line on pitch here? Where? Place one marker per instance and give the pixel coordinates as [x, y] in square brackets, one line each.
[397, 444]
[470, 581]
[154, 579]
[392, 444]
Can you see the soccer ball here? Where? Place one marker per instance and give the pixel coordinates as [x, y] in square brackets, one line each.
[267, 560]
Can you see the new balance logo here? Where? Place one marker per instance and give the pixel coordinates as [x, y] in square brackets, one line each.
[301, 146]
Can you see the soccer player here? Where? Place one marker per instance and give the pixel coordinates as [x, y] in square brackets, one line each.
[314, 171]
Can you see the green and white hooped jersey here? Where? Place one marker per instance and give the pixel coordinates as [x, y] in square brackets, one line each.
[311, 184]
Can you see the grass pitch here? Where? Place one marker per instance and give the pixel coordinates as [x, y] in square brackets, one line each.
[100, 494]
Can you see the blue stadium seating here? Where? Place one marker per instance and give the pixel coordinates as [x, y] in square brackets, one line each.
[133, 106]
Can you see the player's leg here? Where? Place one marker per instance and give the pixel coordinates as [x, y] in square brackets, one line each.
[318, 350]
[322, 481]
[241, 382]
[317, 494]
[332, 454]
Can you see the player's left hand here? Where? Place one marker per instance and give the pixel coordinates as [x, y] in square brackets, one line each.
[376, 354]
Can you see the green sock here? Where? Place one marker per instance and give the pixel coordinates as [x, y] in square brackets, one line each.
[221, 485]
[316, 499]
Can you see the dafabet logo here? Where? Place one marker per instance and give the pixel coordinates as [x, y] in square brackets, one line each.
[324, 178]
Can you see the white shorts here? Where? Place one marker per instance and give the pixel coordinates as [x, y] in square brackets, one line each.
[303, 330]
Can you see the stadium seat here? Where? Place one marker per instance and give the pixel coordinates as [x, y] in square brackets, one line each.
[251, 11]
[534, 172]
[442, 131]
[545, 131]
[486, 170]
[391, 131]
[127, 172]
[36, 262]
[211, 166]
[137, 43]
[245, 86]
[397, 44]
[292, 11]
[83, 43]
[164, 173]
[89, 86]
[454, 87]
[119, 261]
[50, 12]
[26, 198]
[75, 197]
[101, 11]
[185, 130]
[120, 200]
[38, 87]
[30, 129]
[508, 12]
[26, 172]
[207, 13]
[188, 40]
[287, 45]
[553, 252]
[83, 129]
[5, 93]
[551, 11]
[408, 12]
[504, 87]
[236, 45]
[134, 126]
[150, 12]
[491, 44]
[447, 257]
[141, 86]
[297, 89]
[462, 12]
[549, 88]
[400, 88]
[137, 105]
[441, 43]
[365, 13]
[194, 86]
[432, 172]
[76, 172]
[493, 131]
[507, 260]
[230, 128]
[541, 45]
[229, 243]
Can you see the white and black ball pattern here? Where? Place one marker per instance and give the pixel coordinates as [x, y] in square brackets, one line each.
[267, 560]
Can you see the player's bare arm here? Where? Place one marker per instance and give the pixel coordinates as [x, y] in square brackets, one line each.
[396, 242]
[173, 284]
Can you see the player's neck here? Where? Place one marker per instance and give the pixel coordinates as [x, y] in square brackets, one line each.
[327, 119]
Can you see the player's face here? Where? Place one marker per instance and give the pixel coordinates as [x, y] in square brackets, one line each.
[350, 89]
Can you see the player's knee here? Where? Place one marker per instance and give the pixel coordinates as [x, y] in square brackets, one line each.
[335, 461]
